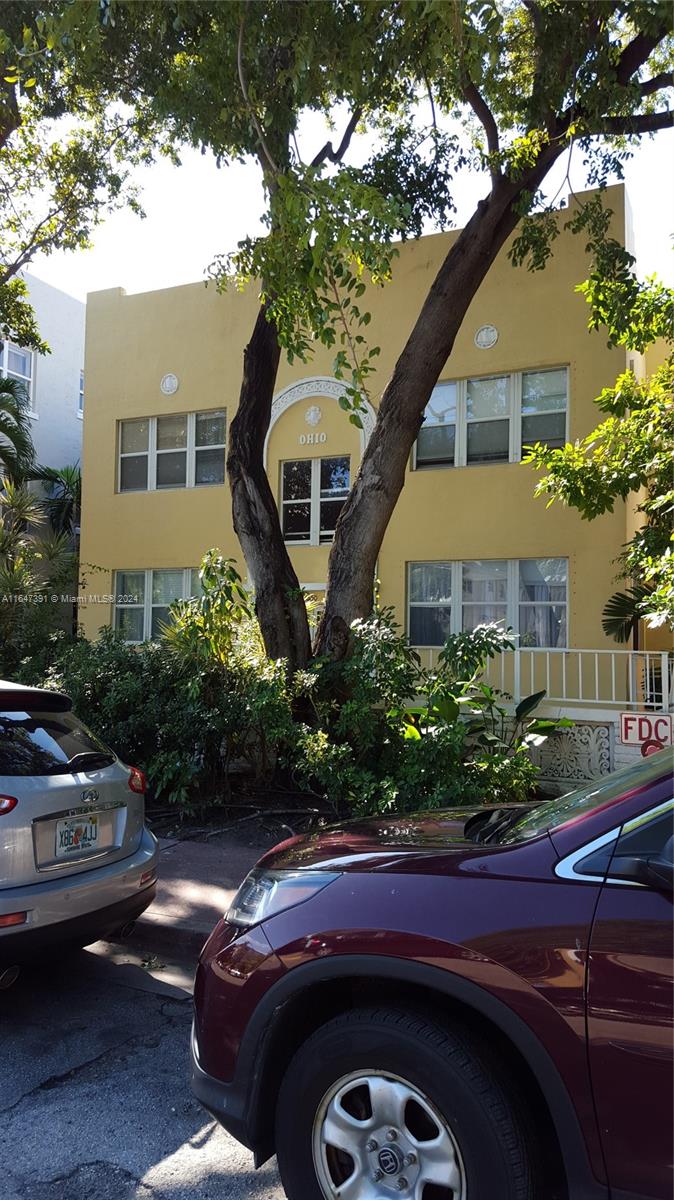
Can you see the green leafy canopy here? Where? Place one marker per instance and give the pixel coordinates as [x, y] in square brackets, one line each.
[629, 455]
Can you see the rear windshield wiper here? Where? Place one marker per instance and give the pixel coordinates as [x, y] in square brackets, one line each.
[88, 758]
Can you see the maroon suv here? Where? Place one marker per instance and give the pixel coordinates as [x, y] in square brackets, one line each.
[468, 1005]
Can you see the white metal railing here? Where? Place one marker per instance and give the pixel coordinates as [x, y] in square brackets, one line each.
[620, 679]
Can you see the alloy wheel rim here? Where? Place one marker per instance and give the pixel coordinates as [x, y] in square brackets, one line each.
[376, 1135]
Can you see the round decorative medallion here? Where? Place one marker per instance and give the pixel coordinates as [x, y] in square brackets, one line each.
[486, 337]
[169, 384]
[313, 415]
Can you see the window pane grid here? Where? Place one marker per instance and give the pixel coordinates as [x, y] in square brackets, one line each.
[313, 493]
[182, 450]
[143, 599]
[490, 418]
[16, 363]
[529, 595]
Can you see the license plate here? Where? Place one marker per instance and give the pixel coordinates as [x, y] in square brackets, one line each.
[76, 835]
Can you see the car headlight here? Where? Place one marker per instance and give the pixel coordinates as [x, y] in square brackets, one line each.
[264, 893]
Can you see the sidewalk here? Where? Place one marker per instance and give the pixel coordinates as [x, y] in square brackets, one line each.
[196, 885]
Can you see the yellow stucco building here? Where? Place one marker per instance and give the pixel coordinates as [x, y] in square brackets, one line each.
[467, 542]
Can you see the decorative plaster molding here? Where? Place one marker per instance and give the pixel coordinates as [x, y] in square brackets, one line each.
[318, 385]
[169, 384]
[580, 753]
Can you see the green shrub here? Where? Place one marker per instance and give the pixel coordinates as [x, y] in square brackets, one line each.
[374, 734]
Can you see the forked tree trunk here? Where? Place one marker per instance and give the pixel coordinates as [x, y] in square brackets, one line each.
[366, 514]
[360, 530]
[279, 604]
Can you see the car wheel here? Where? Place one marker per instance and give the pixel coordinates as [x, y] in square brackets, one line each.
[380, 1103]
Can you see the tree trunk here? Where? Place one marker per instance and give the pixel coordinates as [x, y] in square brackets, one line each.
[279, 604]
[366, 514]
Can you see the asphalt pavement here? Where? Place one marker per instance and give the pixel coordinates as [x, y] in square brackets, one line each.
[94, 1090]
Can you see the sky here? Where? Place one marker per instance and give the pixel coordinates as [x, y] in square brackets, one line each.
[196, 211]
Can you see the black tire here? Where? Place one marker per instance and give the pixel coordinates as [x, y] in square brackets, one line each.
[447, 1067]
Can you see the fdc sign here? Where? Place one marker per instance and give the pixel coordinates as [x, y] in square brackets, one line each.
[637, 728]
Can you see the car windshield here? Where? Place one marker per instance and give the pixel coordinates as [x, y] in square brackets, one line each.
[48, 743]
[584, 800]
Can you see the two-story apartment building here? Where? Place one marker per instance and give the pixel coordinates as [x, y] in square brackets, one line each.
[467, 544]
[54, 381]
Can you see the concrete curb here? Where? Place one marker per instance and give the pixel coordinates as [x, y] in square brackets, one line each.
[152, 934]
[196, 883]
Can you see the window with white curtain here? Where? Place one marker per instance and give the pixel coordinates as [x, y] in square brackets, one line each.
[490, 419]
[484, 593]
[528, 595]
[174, 451]
[542, 601]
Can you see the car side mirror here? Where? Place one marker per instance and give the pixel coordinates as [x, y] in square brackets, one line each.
[654, 870]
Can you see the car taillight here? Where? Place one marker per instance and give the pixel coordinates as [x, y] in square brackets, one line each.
[7, 803]
[18, 918]
[137, 781]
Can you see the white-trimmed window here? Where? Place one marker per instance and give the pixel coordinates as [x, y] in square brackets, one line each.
[173, 451]
[313, 491]
[489, 419]
[143, 598]
[80, 398]
[544, 404]
[16, 363]
[436, 443]
[429, 589]
[527, 595]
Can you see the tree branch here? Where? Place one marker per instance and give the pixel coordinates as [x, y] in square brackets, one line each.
[535, 14]
[337, 155]
[664, 80]
[249, 106]
[638, 124]
[429, 91]
[486, 119]
[636, 52]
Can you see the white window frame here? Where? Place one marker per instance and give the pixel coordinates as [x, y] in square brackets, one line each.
[152, 452]
[512, 617]
[465, 422]
[517, 441]
[314, 499]
[514, 417]
[29, 380]
[80, 396]
[147, 606]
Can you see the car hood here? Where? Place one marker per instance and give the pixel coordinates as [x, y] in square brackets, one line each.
[374, 841]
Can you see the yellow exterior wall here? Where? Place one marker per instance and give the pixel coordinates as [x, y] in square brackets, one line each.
[448, 513]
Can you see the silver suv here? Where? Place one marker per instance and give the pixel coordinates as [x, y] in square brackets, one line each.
[76, 860]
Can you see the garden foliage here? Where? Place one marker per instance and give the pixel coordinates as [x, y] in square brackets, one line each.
[205, 706]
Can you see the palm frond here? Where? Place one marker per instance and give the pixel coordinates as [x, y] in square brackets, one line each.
[63, 486]
[622, 611]
[17, 453]
[18, 506]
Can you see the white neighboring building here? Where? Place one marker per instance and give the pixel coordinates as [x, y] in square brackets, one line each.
[55, 381]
